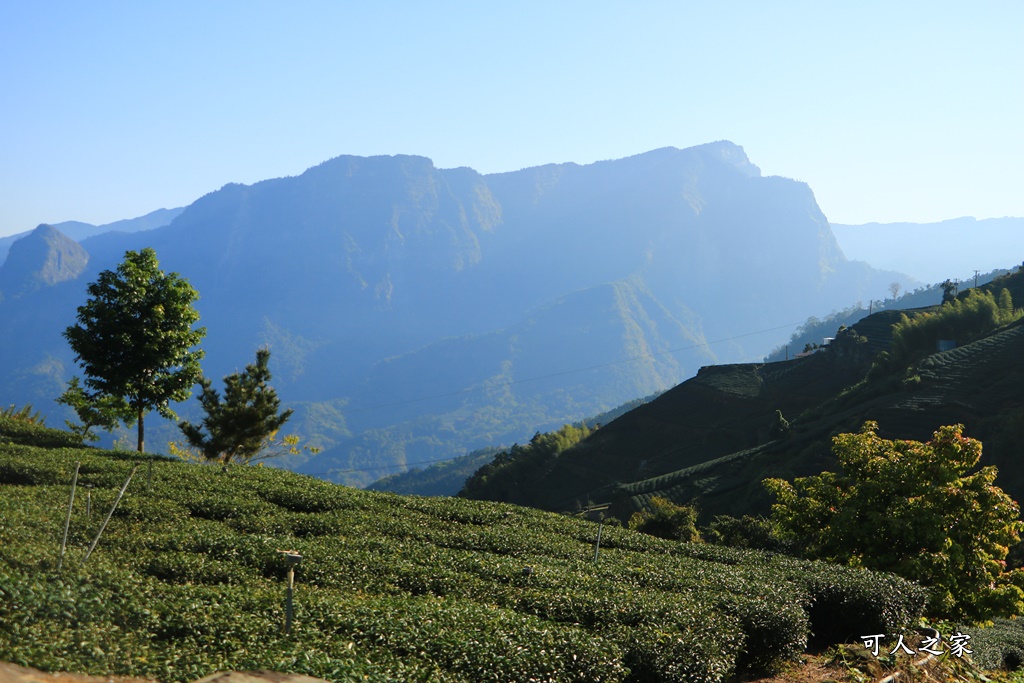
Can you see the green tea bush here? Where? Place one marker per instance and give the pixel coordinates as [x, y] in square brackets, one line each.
[779, 627]
[26, 468]
[301, 494]
[141, 508]
[999, 646]
[657, 655]
[848, 602]
[306, 524]
[187, 579]
[178, 567]
[24, 432]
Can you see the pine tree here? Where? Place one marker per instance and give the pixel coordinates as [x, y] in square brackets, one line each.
[242, 424]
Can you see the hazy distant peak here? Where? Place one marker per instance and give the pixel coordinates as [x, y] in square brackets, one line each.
[962, 221]
[735, 155]
[46, 232]
[44, 257]
[347, 164]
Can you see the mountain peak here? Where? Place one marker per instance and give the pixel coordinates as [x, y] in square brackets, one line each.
[733, 154]
[44, 257]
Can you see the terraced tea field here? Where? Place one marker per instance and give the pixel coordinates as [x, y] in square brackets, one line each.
[187, 580]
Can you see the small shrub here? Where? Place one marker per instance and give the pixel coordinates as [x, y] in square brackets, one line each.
[745, 532]
[667, 520]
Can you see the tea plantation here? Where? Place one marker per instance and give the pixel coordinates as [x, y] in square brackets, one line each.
[186, 580]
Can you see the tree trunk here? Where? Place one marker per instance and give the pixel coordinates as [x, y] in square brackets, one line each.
[141, 432]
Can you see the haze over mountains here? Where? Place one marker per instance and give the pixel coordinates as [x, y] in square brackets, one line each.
[78, 231]
[933, 252]
[415, 313]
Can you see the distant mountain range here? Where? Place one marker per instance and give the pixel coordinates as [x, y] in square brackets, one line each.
[416, 313]
[78, 231]
[933, 252]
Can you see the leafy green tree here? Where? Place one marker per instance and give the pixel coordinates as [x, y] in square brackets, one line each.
[134, 337]
[1005, 304]
[244, 424]
[949, 291]
[94, 411]
[779, 426]
[914, 509]
[665, 519]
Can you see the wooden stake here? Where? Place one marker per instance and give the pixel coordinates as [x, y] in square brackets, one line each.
[67, 522]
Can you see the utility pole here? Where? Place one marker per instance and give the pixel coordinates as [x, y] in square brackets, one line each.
[975, 279]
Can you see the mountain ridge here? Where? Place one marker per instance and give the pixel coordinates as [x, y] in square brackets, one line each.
[360, 260]
[79, 231]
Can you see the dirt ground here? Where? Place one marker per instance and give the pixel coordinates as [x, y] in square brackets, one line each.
[811, 672]
[11, 673]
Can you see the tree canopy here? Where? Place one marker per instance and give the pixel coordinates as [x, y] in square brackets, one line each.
[915, 509]
[134, 337]
[94, 411]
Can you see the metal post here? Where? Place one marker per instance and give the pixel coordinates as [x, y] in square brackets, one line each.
[596, 513]
[289, 605]
[110, 514]
[88, 500]
[293, 558]
[67, 521]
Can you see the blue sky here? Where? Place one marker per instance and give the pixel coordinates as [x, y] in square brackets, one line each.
[889, 111]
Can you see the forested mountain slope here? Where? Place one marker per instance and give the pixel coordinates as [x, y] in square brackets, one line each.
[712, 439]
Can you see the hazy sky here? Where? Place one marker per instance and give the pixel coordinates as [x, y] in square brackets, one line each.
[890, 111]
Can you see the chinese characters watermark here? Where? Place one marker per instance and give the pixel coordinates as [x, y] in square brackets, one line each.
[929, 645]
